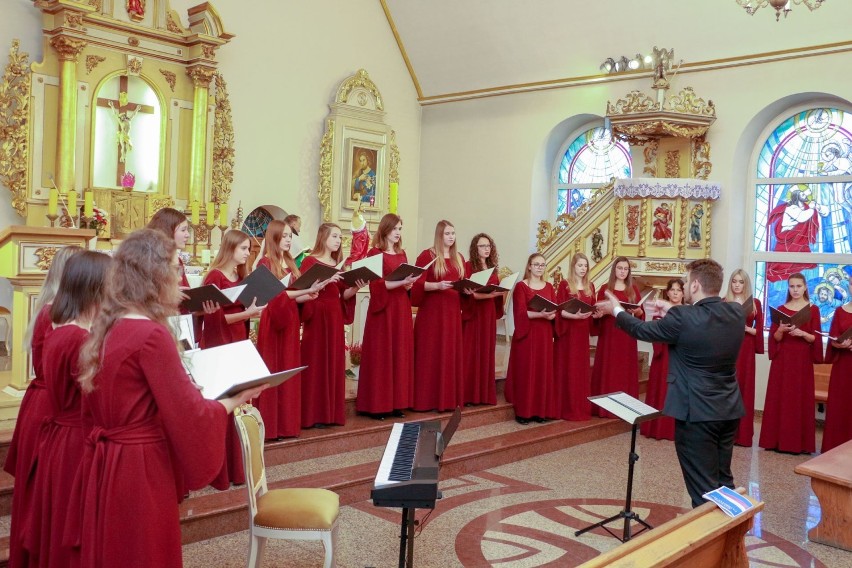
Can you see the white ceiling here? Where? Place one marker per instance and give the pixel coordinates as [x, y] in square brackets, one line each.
[463, 45]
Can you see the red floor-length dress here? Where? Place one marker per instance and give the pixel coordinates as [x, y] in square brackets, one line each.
[278, 345]
[479, 338]
[61, 444]
[35, 407]
[530, 373]
[661, 428]
[151, 435]
[324, 352]
[788, 423]
[616, 356]
[217, 331]
[752, 345]
[386, 377]
[838, 409]
[437, 340]
[572, 368]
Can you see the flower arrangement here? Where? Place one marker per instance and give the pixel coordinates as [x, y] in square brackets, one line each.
[98, 220]
[128, 180]
[355, 351]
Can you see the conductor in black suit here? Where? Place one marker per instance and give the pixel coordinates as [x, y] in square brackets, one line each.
[703, 397]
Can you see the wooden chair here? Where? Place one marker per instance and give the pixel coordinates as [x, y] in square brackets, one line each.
[290, 514]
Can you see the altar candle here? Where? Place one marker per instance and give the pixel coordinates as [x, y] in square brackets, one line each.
[223, 215]
[393, 197]
[210, 213]
[72, 203]
[194, 216]
[53, 202]
[88, 204]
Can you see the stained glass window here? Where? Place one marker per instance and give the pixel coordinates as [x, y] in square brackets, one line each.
[256, 222]
[803, 206]
[591, 160]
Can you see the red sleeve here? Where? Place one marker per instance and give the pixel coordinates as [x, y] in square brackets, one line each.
[758, 326]
[348, 306]
[275, 310]
[306, 310]
[199, 448]
[215, 329]
[816, 346]
[40, 329]
[774, 345]
[519, 311]
[832, 354]
[500, 300]
[378, 290]
[418, 291]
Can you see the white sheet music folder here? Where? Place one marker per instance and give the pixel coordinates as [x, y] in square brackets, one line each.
[631, 410]
[228, 369]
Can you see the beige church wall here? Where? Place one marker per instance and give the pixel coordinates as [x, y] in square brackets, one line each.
[487, 164]
[282, 70]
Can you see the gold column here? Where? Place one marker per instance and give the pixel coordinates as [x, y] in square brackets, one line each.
[68, 49]
[201, 77]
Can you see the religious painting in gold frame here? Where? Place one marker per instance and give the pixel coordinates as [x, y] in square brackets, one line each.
[365, 167]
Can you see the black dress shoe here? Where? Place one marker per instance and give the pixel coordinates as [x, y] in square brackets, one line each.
[397, 414]
[523, 421]
[539, 419]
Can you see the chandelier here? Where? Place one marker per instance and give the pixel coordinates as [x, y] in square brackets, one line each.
[752, 6]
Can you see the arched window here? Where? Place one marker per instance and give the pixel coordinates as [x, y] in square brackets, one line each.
[590, 160]
[803, 208]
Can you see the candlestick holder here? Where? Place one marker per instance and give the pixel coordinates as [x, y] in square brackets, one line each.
[210, 226]
[52, 219]
[222, 229]
[84, 222]
[195, 229]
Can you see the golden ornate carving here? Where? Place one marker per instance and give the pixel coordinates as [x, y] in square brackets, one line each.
[170, 77]
[708, 209]
[616, 227]
[635, 101]
[650, 154]
[325, 166]
[503, 272]
[701, 165]
[667, 267]
[547, 233]
[161, 202]
[359, 79]
[67, 47]
[134, 41]
[641, 132]
[673, 164]
[92, 61]
[688, 102]
[97, 4]
[393, 167]
[173, 23]
[14, 126]
[223, 144]
[556, 277]
[134, 65]
[200, 232]
[208, 51]
[45, 257]
[74, 19]
[643, 227]
[201, 76]
[681, 234]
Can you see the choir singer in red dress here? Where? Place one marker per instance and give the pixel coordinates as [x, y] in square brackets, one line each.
[61, 440]
[323, 340]
[437, 328]
[278, 336]
[739, 290]
[480, 313]
[572, 368]
[838, 412]
[150, 432]
[386, 378]
[530, 373]
[617, 354]
[35, 407]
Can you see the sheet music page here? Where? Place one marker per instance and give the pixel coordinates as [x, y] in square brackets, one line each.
[482, 276]
[509, 281]
[286, 280]
[219, 368]
[633, 404]
[233, 293]
[373, 263]
[184, 330]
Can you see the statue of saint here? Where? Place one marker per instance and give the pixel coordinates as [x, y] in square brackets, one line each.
[136, 9]
[124, 119]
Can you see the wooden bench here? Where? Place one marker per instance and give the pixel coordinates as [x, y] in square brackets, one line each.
[831, 481]
[821, 374]
[702, 538]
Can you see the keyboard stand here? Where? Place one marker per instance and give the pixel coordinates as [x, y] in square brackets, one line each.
[406, 538]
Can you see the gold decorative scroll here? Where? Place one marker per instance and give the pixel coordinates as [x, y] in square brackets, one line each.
[643, 132]
[208, 51]
[666, 267]
[360, 79]
[45, 257]
[393, 167]
[701, 165]
[173, 23]
[684, 223]
[556, 277]
[68, 48]
[92, 61]
[650, 154]
[201, 76]
[325, 168]
[708, 209]
[643, 227]
[688, 102]
[171, 78]
[14, 126]
[160, 202]
[74, 19]
[673, 164]
[547, 233]
[223, 144]
[635, 101]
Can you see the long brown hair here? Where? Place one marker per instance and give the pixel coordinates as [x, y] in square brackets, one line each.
[49, 288]
[440, 266]
[628, 282]
[493, 259]
[747, 291]
[572, 276]
[528, 268]
[82, 287]
[801, 277]
[230, 241]
[278, 258]
[670, 284]
[142, 280]
[386, 226]
[322, 236]
[167, 221]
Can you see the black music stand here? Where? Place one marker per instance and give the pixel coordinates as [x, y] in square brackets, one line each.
[634, 412]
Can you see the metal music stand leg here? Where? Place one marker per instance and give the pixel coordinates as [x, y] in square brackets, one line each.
[406, 538]
[627, 513]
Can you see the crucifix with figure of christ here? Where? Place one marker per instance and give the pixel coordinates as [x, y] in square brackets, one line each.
[124, 112]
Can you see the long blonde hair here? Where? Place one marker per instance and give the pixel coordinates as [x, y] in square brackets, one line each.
[747, 291]
[49, 288]
[322, 236]
[271, 249]
[572, 277]
[230, 241]
[440, 266]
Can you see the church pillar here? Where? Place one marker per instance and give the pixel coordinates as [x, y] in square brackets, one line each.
[69, 49]
[201, 77]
